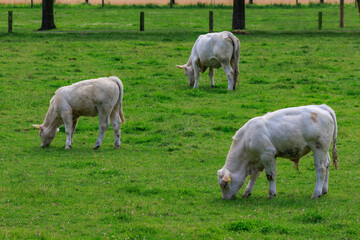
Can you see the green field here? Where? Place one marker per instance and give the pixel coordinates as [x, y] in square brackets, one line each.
[161, 183]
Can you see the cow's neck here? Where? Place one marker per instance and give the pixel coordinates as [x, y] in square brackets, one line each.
[236, 160]
[52, 120]
[189, 62]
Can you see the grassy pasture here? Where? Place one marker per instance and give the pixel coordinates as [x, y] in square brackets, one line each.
[161, 183]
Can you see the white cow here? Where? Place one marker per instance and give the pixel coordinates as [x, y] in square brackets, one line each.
[102, 96]
[289, 133]
[214, 50]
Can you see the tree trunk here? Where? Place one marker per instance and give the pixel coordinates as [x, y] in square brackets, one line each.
[47, 15]
[238, 21]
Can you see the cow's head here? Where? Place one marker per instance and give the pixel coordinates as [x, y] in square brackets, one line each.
[228, 184]
[189, 72]
[46, 134]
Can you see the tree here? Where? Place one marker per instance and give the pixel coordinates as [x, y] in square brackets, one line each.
[47, 15]
[238, 14]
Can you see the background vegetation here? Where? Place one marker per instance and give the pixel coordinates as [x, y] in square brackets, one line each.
[161, 183]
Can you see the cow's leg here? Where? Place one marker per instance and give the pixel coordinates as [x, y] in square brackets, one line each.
[321, 168]
[249, 188]
[75, 122]
[68, 122]
[103, 126]
[211, 75]
[326, 183]
[116, 124]
[196, 73]
[236, 73]
[229, 74]
[269, 161]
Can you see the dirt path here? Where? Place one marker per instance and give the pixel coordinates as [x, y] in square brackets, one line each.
[180, 2]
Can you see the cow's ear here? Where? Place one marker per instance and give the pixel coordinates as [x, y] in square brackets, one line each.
[57, 130]
[36, 126]
[226, 179]
[181, 66]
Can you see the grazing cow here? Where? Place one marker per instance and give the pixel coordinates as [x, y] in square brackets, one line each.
[289, 133]
[102, 96]
[214, 50]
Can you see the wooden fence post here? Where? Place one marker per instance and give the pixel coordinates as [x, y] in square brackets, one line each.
[341, 13]
[32, 3]
[102, 3]
[142, 18]
[320, 21]
[211, 21]
[10, 21]
[172, 2]
[321, 1]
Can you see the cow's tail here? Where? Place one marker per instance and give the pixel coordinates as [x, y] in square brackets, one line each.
[236, 57]
[334, 150]
[121, 94]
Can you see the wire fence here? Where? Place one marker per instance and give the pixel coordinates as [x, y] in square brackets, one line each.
[178, 2]
[165, 19]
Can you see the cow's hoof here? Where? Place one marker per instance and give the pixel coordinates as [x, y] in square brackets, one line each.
[116, 146]
[67, 147]
[315, 196]
[270, 196]
[246, 195]
[96, 146]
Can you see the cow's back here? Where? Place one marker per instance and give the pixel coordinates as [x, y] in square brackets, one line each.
[213, 48]
[86, 96]
[293, 131]
[305, 120]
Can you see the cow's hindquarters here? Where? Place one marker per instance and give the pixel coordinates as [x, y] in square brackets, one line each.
[235, 58]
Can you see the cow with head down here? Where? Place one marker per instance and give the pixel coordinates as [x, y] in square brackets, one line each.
[288, 133]
[102, 96]
[214, 50]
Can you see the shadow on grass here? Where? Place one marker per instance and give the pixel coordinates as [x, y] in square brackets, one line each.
[285, 201]
[162, 36]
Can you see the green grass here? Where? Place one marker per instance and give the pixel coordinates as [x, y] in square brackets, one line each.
[161, 183]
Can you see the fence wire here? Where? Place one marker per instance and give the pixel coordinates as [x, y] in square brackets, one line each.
[177, 2]
[166, 19]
